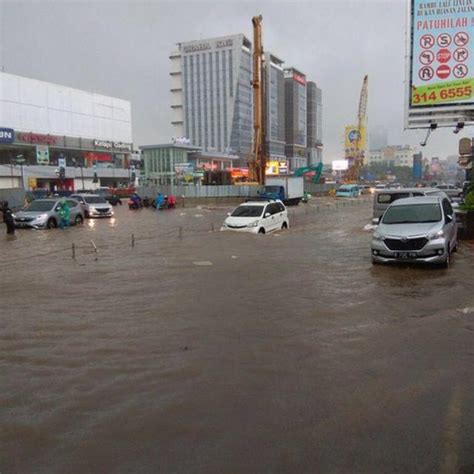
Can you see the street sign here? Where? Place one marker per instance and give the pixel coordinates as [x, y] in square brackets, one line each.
[465, 146]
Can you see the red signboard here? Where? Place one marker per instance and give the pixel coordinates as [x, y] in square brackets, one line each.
[91, 156]
[298, 78]
[36, 138]
[443, 55]
[443, 71]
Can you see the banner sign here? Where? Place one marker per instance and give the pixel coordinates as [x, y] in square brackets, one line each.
[442, 59]
[340, 165]
[7, 135]
[42, 154]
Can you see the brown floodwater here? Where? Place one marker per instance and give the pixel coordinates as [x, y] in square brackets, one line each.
[203, 351]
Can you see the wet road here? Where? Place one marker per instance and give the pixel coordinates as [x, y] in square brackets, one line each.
[231, 353]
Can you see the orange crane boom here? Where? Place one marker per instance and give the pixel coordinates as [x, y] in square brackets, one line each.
[257, 163]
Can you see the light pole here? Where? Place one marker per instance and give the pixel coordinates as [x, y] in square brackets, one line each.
[20, 159]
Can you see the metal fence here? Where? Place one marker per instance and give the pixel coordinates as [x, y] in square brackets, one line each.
[319, 189]
[14, 196]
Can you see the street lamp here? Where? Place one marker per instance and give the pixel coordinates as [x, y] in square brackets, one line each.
[20, 160]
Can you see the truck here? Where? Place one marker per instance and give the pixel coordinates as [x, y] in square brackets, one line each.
[289, 189]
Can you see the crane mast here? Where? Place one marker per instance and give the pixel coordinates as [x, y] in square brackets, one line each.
[359, 152]
[257, 162]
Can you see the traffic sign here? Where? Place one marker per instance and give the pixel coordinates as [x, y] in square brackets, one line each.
[465, 146]
[443, 55]
[460, 70]
[444, 40]
[427, 57]
[461, 38]
[443, 71]
[460, 55]
[427, 41]
[426, 73]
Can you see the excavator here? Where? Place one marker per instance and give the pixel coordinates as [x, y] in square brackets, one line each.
[317, 169]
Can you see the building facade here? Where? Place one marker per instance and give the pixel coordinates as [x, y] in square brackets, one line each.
[212, 94]
[44, 126]
[274, 108]
[314, 113]
[394, 155]
[295, 118]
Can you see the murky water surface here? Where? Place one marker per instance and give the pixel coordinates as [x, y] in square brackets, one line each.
[203, 351]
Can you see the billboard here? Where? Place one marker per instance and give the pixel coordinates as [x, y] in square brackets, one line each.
[340, 165]
[441, 63]
[417, 166]
[42, 154]
[353, 136]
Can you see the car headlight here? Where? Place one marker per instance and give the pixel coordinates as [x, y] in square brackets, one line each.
[436, 235]
[253, 224]
[41, 217]
[377, 236]
[92, 209]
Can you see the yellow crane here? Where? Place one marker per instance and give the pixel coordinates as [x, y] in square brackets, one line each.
[258, 160]
[359, 149]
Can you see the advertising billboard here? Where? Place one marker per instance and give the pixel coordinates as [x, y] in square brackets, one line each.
[417, 166]
[42, 154]
[441, 67]
[340, 165]
[353, 136]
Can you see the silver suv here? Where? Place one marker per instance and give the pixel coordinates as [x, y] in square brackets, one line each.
[420, 229]
[44, 214]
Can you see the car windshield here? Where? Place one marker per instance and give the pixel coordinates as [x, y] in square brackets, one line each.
[248, 211]
[345, 189]
[95, 200]
[412, 214]
[40, 206]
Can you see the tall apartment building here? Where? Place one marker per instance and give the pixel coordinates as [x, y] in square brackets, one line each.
[295, 118]
[378, 138]
[212, 94]
[314, 113]
[275, 107]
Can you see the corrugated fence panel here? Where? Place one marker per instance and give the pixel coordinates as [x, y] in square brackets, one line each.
[15, 197]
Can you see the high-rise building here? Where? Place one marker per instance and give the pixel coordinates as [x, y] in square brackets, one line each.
[295, 118]
[378, 138]
[212, 94]
[274, 107]
[314, 115]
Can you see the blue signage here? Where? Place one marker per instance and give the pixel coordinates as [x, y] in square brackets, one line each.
[7, 135]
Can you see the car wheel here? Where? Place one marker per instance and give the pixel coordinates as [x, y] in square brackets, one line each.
[284, 226]
[261, 230]
[52, 224]
[78, 220]
[447, 261]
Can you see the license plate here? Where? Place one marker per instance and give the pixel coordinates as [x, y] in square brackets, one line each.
[404, 255]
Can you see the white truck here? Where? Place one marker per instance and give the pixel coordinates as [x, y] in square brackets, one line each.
[289, 189]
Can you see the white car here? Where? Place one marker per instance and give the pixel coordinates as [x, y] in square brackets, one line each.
[258, 217]
[94, 205]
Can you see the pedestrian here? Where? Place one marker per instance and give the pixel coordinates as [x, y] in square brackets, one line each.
[8, 218]
[64, 214]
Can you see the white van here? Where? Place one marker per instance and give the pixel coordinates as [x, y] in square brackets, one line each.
[384, 197]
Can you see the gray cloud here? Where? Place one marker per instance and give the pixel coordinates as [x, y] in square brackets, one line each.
[122, 49]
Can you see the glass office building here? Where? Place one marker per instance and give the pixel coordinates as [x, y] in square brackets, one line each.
[314, 111]
[212, 94]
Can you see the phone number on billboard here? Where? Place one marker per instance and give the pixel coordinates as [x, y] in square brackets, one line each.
[434, 97]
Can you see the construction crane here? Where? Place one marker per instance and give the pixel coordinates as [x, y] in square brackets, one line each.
[258, 160]
[358, 154]
[316, 169]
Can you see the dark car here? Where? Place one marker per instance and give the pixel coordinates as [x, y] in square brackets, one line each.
[108, 196]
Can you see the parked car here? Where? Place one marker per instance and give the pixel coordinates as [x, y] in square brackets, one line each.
[94, 205]
[364, 188]
[44, 213]
[348, 190]
[108, 196]
[451, 190]
[416, 229]
[258, 217]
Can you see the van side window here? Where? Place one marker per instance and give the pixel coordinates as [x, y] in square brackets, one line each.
[388, 198]
[448, 210]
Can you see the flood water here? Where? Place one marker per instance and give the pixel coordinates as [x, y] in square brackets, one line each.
[200, 351]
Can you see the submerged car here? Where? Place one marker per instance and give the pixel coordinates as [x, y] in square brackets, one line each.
[44, 214]
[416, 229]
[258, 217]
[94, 205]
[348, 190]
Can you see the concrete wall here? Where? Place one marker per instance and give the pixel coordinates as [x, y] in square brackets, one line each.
[15, 197]
[319, 189]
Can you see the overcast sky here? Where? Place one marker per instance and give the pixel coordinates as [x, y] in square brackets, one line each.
[122, 48]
